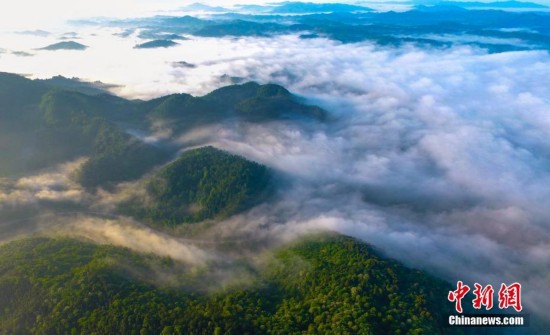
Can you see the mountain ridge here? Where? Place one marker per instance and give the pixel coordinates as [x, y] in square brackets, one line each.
[97, 291]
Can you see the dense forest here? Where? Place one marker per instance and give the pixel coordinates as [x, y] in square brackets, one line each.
[321, 285]
[43, 126]
[45, 122]
[115, 156]
[54, 284]
[248, 102]
[202, 184]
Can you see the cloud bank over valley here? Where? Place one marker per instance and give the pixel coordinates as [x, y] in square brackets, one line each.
[437, 156]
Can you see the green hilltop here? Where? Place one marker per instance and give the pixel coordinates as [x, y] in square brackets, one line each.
[324, 284]
[203, 183]
[44, 124]
[321, 285]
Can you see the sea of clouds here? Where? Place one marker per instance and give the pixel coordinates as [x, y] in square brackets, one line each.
[440, 158]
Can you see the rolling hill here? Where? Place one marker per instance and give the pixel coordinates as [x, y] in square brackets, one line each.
[203, 183]
[320, 285]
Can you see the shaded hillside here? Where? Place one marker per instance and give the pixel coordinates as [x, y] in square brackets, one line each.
[43, 124]
[249, 102]
[77, 125]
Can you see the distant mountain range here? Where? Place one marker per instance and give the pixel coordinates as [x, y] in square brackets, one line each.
[200, 7]
[289, 7]
[297, 7]
[483, 5]
[309, 7]
[500, 30]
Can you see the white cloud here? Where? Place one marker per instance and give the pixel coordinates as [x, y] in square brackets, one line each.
[446, 147]
[33, 14]
[438, 157]
[128, 234]
[55, 185]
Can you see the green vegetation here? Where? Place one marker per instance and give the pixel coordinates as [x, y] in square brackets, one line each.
[203, 183]
[16, 92]
[324, 285]
[25, 142]
[184, 112]
[117, 157]
[275, 102]
[43, 126]
[76, 84]
[47, 122]
[114, 155]
[248, 102]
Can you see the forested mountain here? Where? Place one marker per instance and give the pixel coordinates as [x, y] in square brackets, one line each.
[39, 117]
[60, 282]
[43, 126]
[114, 155]
[249, 102]
[202, 184]
[175, 175]
[322, 285]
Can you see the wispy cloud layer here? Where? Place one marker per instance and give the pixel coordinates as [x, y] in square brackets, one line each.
[439, 157]
[53, 186]
[131, 235]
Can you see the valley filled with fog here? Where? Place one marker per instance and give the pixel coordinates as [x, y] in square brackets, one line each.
[428, 141]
